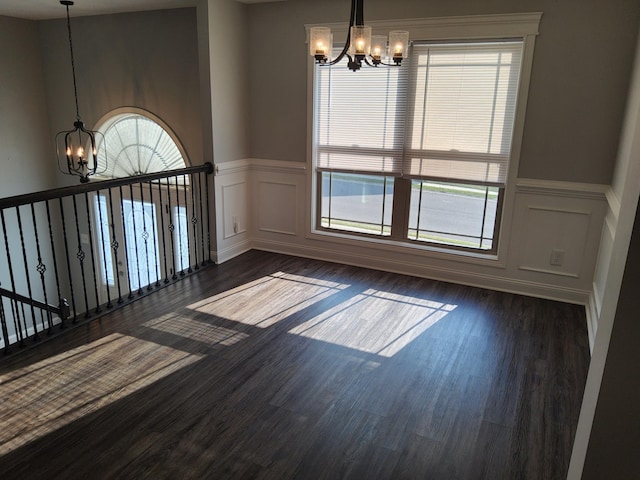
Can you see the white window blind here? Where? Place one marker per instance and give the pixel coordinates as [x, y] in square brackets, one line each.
[462, 111]
[359, 119]
[135, 144]
[459, 99]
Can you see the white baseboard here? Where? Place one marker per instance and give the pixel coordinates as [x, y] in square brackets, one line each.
[231, 251]
[493, 282]
[42, 328]
[593, 315]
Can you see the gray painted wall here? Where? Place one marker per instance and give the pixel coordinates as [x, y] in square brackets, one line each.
[580, 77]
[230, 60]
[27, 156]
[147, 60]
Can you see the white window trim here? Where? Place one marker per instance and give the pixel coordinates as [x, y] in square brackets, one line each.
[470, 27]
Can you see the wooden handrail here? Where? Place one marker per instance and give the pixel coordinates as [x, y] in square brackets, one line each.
[42, 196]
[29, 301]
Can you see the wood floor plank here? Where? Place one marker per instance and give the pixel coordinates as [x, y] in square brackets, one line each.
[276, 367]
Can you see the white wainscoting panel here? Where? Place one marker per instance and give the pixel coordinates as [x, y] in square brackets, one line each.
[277, 207]
[234, 208]
[546, 216]
[549, 230]
[278, 203]
[601, 274]
[552, 217]
[232, 216]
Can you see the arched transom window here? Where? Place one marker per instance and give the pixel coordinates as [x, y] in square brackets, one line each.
[135, 144]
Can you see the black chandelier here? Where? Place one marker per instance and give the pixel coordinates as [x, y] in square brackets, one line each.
[360, 46]
[80, 143]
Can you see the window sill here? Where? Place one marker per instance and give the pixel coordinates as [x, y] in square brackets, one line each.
[408, 248]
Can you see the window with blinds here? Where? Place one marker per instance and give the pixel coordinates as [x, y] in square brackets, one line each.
[462, 111]
[441, 125]
[360, 116]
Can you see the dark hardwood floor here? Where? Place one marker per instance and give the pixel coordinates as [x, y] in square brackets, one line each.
[276, 367]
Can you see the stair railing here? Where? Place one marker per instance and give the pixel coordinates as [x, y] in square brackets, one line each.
[72, 254]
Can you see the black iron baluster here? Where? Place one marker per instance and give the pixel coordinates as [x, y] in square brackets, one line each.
[135, 237]
[154, 229]
[171, 229]
[102, 247]
[81, 255]
[66, 250]
[179, 221]
[186, 222]
[201, 217]
[91, 249]
[27, 276]
[36, 255]
[145, 237]
[194, 222]
[114, 246]
[164, 240]
[3, 326]
[54, 259]
[206, 180]
[126, 243]
[24, 321]
[17, 323]
[42, 319]
[16, 317]
[41, 268]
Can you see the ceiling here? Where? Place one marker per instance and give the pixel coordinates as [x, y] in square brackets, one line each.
[46, 9]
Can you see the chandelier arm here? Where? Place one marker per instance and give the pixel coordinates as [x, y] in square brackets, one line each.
[342, 54]
[359, 7]
[347, 42]
[388, 64]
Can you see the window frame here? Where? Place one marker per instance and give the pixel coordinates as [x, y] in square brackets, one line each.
[442, 29]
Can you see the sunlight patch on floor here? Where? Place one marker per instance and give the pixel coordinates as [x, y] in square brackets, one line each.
[375, 321]
[282, 294]
[202, 332]
[43, 397]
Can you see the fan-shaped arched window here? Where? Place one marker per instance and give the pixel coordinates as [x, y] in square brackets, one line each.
[136, 143]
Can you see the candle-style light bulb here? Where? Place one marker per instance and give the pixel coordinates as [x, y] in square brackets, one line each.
[320, 43]
[80, 152]
[398, 43]
[378, 46]
[360, 44]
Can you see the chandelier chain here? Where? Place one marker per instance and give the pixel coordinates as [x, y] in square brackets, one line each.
[73, 65]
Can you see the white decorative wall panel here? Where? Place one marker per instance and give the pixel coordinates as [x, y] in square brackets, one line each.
[277, 207]
[549, 230]
[234, 209]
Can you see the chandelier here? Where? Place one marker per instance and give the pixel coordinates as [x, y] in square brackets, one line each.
[79, 145]
[360, 46]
